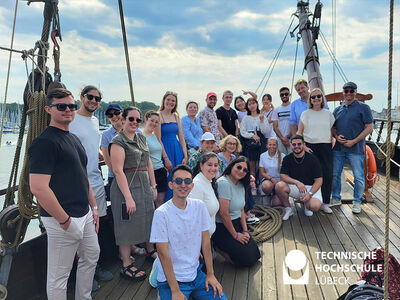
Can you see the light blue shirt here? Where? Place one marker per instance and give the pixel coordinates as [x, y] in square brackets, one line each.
[155, 151]
[235, 193]
[191, 131]
[106, 138]
[296, 109]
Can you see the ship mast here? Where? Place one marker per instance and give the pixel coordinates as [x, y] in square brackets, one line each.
[309, 34]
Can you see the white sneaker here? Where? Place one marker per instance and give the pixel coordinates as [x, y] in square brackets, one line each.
[335, 202]
[288, 213]
[325, 208]
[356, 208]
[307, 212]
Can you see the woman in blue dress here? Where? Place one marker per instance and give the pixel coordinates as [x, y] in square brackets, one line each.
[170, 135]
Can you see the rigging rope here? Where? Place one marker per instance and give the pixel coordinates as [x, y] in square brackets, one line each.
[273, 62]
[295, 62]
[8, 72]
[270, 222]
[333, 57]
[389, 128]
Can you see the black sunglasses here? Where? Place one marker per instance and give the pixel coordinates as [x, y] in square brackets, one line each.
[240, 168]
[90, 97]
[284, 94]
[63, 106]
[349, 91]
[179, 180]
[319, 96]
[296, 144]
[115, 113]
[138, 120]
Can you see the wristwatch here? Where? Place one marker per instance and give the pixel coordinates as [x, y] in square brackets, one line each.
[311, 194]
[94, 208]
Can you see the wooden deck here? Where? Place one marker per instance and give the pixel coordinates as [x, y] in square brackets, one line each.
[340, 232]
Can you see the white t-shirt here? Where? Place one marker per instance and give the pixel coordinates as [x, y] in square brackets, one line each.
[203, 191]
[182, 230]
[282, 115]
[317, 125]
[87, 130]
[250, 125]
[270, 164]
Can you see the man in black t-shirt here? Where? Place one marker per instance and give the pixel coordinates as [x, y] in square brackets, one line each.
[227, 117]
[301, 178]
[58, 180]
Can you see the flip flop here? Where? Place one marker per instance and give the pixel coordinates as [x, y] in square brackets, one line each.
[127, 270]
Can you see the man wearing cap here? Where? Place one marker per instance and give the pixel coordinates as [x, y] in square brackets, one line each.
[86, 127]
[227, 117]
[353, 122]
[208, 117]
[207, 144]
[299, 105]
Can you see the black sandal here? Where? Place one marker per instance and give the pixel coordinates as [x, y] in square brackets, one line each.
[132, 276]
[149, 255]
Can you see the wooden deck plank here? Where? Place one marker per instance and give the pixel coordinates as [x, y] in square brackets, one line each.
[328, 291]
[299, 291]
[254, 289]
[241, 284]
[228, 280]
[268, 283]
[313, 291]
[141, 289]
[284, 291]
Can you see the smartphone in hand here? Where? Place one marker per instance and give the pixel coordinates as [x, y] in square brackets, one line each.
[124, 214]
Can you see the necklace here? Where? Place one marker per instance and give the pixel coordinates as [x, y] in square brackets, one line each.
[228, 112]
[301, 161]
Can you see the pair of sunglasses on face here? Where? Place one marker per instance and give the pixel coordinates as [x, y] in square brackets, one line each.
[349, 91]
[115, 113]
[90, 97]
[63, 106]
[319, 96]
[240, 168]
[179, 181]
[284, 94]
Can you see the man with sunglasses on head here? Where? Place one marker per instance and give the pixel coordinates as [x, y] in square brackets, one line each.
[280, 121]
[86, 127]
[180, 230]
[353, 122]
[301, 178]
[59, 181]
[300, 105]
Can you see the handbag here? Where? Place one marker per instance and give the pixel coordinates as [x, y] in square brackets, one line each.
[252, 144]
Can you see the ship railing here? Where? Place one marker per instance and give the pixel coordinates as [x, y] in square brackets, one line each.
[379, 125]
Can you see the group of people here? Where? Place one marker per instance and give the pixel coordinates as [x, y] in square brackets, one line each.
[181, 189]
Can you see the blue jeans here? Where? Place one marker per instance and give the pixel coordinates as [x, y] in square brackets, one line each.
[356, 162]
[195, 288]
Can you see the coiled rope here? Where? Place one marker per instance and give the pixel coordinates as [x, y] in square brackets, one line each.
[270, 222]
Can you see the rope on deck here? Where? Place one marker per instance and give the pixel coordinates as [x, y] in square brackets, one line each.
[270, 222]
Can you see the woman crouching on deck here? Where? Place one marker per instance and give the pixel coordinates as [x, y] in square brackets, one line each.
[231, 238]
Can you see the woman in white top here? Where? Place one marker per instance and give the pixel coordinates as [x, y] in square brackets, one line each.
[267, 110]
[315, 126]
[240, 106]
[252, 130]
[269, 169]
[205, 186]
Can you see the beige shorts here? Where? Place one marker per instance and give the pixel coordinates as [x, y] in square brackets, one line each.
[295, 193]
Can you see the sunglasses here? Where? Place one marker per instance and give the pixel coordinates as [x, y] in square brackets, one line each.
[349, 91]
[133, 119]
[319, 96]
[171, 93]
[284, 94]
[240, 168]
[296, 144]
[179, 180]
[63, 106]
[90, 97]
[115, 113]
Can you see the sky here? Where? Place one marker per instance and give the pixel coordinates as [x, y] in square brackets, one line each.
[194, 47]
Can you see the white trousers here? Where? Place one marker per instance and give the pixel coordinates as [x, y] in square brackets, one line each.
[62, 245]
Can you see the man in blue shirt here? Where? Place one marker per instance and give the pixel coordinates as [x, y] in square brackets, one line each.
[353, 122]
[299, 105]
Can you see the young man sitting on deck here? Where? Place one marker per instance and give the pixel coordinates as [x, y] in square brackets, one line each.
[180, 230]
[301, 177]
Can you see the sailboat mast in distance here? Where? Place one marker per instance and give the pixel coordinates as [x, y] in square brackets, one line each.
[309, 34]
